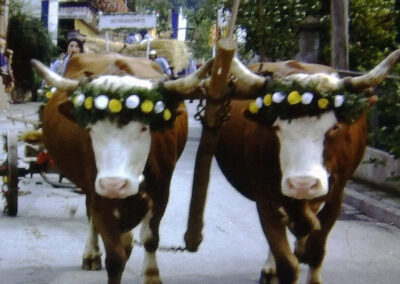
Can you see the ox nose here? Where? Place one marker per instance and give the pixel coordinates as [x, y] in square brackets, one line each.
[304, 187]
[113, 184]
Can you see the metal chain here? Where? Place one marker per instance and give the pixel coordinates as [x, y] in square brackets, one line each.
[200, 110]
[164, 248]
[223, 112]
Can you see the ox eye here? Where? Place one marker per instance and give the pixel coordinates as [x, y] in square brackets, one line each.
[143, 129]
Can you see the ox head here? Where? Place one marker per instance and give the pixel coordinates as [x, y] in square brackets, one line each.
[304, 109]
[119, 113]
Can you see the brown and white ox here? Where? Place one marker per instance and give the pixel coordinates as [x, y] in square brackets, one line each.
[125, 171]
[295, 170]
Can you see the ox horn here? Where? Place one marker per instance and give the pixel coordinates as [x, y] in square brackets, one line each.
[52, 78]
[187, 87]
[246, 82]
[373, 77]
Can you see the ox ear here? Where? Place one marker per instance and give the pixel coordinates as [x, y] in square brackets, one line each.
[65, 108]
[179, 110]
[372, 100]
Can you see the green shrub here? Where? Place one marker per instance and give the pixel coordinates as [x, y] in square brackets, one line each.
[28, 38]
[385, 119]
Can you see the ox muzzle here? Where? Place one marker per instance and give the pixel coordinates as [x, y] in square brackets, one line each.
[118, 187]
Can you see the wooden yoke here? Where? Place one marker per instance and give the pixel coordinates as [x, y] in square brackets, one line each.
[212, 120]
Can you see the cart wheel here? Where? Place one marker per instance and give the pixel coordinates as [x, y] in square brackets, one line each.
[12, 176]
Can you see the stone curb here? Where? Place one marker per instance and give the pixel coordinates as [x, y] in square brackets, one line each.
[379, 210]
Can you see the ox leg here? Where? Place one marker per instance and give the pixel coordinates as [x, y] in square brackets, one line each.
[118, 244]
[300, 248]
[314, 273]
[287, 265]
[118, 248]
[150, 271]
[92, 255]
[315, 244]
[268, 274]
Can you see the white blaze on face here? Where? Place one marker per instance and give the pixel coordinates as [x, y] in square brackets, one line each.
[121, 154]
[301, 155]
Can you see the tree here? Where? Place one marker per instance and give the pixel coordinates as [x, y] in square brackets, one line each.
[270, 25]
[28, 39]
[373, 32]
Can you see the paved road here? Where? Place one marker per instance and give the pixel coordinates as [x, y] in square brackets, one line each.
[44, 243]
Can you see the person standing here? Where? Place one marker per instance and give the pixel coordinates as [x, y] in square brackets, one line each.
[161, 61]
[74, 46]
[9, 79]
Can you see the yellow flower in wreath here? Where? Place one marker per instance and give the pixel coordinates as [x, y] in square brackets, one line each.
[253, 108]
[267, 99]
[167, 114]
[294, 98]
[147, 106]
[49, 94]
[323, 103]
[115, 105]
[89, 103]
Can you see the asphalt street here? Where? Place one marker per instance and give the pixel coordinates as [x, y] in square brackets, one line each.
[44, 243]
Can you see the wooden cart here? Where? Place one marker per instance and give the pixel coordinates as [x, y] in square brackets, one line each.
[35, 161]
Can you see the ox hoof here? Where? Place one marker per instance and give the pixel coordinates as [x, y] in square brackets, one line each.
[91, 263]
[268, 278]
[152, 281]
[193, 241]
[301, 256]
[151, 276]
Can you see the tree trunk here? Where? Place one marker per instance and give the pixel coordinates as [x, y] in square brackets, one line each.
[340, 33]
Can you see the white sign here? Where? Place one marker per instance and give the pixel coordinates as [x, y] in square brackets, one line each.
[127, 21]
[78, 12]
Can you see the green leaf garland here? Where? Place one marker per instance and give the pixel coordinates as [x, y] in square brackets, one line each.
[294, 101]
[122, 106]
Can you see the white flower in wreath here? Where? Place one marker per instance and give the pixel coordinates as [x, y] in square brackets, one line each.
[132, 101]
[339, 100]
[159, 107]
[307, 98]
[101, 102]
[259, 102]
[79, 99]
[278, 97]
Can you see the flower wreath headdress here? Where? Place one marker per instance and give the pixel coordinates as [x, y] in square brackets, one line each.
[121, 105]
[290, 101]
